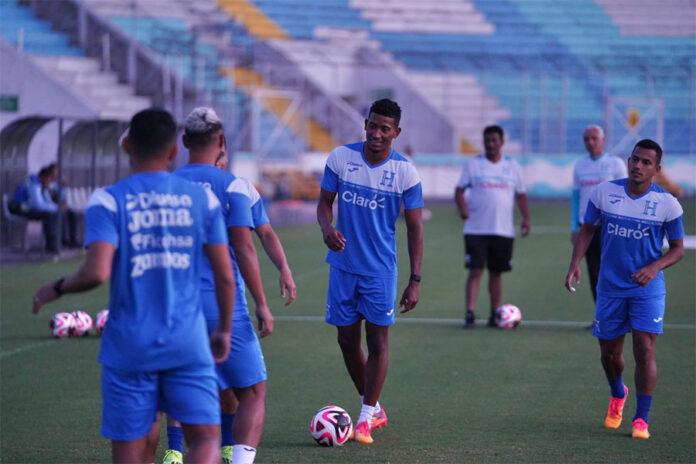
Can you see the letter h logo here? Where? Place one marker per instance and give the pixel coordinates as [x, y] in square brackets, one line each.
[650, 208]
[387, 178]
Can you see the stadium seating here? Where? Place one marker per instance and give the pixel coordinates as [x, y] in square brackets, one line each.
[177, 36]
[67, 64]
[19, 26]
[565, 57]
[666, 17]
[544, 69]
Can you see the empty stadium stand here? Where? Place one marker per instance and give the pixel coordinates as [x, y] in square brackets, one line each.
[66, 63]
[550, 65]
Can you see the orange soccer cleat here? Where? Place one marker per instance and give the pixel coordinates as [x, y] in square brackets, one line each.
[379, 419]
[640, 429]
[361, 434]
[615, 411]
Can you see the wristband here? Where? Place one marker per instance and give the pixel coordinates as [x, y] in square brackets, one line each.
[415, 277]
[57, 285]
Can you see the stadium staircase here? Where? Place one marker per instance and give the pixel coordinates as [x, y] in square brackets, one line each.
[253, 19]
[335, 44]
[468, 107]
[204, 45]
[318, 138]
[65, 63]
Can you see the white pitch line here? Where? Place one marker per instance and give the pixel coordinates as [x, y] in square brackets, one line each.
[25, 348]
[410, 320]
[438, 321]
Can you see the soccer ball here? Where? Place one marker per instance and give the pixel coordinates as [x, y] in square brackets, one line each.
[83, 324]
[331, 426]
[508, 316]
[102, 317]
[62, 325]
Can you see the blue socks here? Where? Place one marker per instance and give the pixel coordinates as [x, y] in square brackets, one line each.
[643, 407]
[617, 387]
[175, 437]
[226, 422]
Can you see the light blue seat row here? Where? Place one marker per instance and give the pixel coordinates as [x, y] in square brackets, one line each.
[37, 36]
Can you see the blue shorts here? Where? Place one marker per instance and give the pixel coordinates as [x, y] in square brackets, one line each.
[245, 366]
[616, 316]
[131, 399]
[353, 297]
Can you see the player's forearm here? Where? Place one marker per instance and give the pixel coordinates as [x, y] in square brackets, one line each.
[272, 246]
[414, 232]
[575, 210]
[672, 257]
[581, 244]
[460, 201]
[523, 206]
[248, 262]
[324, 215]
[82, 281]
[95, 270]
[224, 294]
[221, 264]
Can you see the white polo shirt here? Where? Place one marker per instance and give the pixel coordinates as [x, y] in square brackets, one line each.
[493, 187]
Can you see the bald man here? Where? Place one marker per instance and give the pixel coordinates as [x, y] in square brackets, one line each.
[589, 172]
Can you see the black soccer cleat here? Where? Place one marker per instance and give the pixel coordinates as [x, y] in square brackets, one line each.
[469, 320]
[492, 322]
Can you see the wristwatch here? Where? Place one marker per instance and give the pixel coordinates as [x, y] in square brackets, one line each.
[415, 277]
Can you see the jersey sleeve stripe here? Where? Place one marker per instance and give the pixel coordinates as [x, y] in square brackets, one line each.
[238, 186]
[100, 197]
[213, 201]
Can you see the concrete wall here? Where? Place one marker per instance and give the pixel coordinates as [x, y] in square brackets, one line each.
[546, 176]
[38, 93]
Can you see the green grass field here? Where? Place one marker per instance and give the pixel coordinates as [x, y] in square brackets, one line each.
[536, 394]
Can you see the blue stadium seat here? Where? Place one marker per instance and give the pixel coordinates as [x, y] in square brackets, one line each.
[37, 36]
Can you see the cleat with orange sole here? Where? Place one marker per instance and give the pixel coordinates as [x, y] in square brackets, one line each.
[379, 419]
[640, 430]
[615, 411]
[361, 434]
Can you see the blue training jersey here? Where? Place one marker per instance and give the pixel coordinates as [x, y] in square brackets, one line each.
[369, 201]
[633, 230]
[236, 209]
[159, 224]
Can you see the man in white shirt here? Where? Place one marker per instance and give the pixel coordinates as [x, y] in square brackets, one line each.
[589, 172]
[495, 184]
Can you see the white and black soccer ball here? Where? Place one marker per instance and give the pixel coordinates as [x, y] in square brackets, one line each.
[331, 426]
[62, 325]
[508, 316]
[100, 322]
[83, 324]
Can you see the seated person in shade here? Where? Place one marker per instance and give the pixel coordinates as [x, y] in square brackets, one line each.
[56, 189]
[33, 200]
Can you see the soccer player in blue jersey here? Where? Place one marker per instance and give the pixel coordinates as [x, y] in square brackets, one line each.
[150, 233]
[588, 173]
[371, 182]
[245, 371]
[634, 216]
[267, 235]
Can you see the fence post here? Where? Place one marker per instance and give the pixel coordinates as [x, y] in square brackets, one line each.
[82, 25]
[20, 40]
[106, 52]
[131, 64]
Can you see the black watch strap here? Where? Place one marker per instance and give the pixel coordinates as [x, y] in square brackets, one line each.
[415, 277]
[57, 286]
